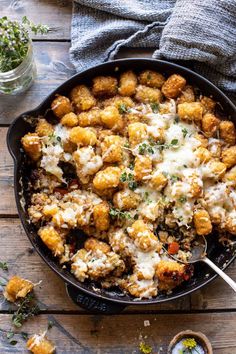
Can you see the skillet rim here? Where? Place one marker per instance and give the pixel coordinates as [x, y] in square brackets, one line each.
[22, 215]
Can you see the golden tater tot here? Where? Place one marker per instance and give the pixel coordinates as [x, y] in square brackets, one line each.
[60, 106]
[108, 178]
[112, 148]
[82, 98]
[158, 181]
[203, 154]
[39, 344]
[142, 167]
[83, 136]
[128, 83]
[210, 124]
[52, 239]
[202, 222]
[170, 274]
[101, 216]
[203, 141]
[173, 86]
[90, 118]
[126, 199]
[137, 133]
[187, 95]
[143, 236]
[230, 176]
[17, 288]
[151, 78]
[123, 103]
[208, 104]
[92, 244]
[44, 128]
[190, 111]
[228, 156]
[105, 85]
[111, 118]
[32, 145]
[147, 94]
[218, 168]
[228, 132]
[70, 120]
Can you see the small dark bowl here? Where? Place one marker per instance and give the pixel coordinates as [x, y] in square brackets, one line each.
[88, 294]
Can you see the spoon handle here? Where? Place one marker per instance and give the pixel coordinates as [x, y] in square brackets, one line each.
[228, 280]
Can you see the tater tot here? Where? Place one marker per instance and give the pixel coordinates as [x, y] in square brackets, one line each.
[107, 178]
[147, 94]
[218, 168]
[111, 118]
[203, 154]
[230, 176]
[128, 83]
[227, 132]
[70, 120]
[82, 98]
[126, 199]
[39, 344]
[170, 274]
[142, 167]
[159, 181]
[119, 102]
[173, 86]
[32, 146]
[83, 136]
[187, 95]
[202, 222]
[52, 239]
[101, 216]
[190, 111]
[210, 124]
[17, 288]
[104, 85]
[228, 156]
[60, 106]
[143, 236]
[208, 104]
[112, 148]
[44, 128]
[92, 244]
[90, 118]
[151, 78]
[201, 138]
[137, 133]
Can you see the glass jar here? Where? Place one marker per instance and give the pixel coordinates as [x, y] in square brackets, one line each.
[20, 78]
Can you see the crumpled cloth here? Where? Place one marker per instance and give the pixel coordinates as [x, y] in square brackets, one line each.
[199, 32]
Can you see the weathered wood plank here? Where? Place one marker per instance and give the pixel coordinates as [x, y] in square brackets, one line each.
[24, 261]
[54, 13]
[122, 334]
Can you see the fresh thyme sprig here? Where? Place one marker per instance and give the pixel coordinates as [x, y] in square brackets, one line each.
[14, 41]
[26, 308]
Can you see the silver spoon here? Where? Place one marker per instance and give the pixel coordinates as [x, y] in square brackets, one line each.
[199, 252]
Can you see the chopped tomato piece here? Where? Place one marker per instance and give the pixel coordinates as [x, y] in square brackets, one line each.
[173, 248]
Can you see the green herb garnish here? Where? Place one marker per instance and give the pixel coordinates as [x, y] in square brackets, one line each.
[116, 213]
[145, 148]
[176, 120]
[144, 348]
[182, 199]
[129, 178]
[14, 41]
[27, 308]
[174, 141]
[174, 178]
[50, 324]
[122, 108]
[3, 265]
[185, 132]
[155, 107]
[24, 335]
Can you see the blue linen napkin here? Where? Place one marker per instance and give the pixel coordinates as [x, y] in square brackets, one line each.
[200, 31]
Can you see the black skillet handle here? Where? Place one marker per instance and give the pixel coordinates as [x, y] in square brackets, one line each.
[92, 303]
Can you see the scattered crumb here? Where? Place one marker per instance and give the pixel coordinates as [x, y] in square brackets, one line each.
[146, 323]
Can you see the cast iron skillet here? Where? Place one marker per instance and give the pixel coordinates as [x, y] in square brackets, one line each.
[89, 295]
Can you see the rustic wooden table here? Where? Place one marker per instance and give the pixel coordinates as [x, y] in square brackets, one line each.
[211, 310]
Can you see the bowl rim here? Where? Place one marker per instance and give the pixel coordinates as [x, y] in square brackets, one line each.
[22, 215]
